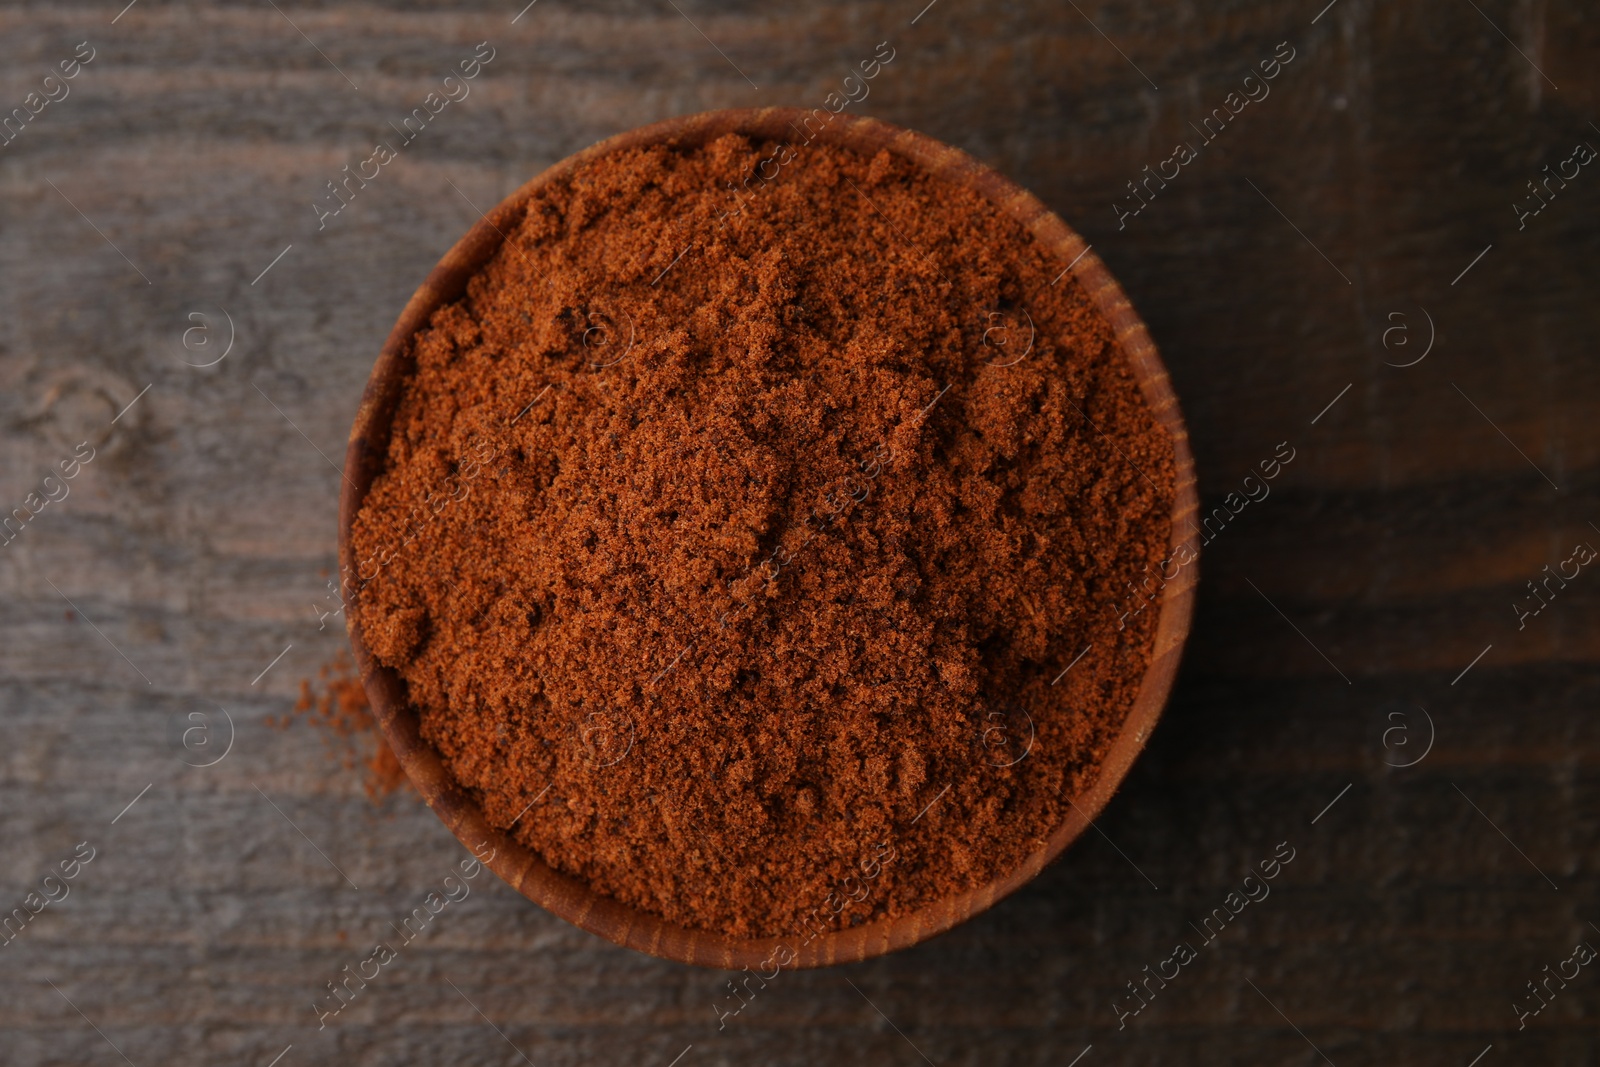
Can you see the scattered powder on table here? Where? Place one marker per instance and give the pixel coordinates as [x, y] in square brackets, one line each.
[349, 728]
[738, 582]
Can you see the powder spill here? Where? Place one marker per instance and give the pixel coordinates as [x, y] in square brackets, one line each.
[345, 719]
[729, 562]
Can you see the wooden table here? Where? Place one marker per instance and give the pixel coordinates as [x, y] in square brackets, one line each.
[1368, 200]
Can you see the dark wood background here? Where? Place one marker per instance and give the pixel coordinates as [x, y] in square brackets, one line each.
[195, 547]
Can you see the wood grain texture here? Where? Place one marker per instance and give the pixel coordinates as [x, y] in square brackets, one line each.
[199, 539]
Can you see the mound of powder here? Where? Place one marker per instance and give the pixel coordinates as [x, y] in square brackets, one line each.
[735, 535]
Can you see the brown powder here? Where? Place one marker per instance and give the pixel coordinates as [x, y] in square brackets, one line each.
[732, 545]
[344, 716]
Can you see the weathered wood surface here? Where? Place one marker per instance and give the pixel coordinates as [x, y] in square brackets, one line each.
[196, 544]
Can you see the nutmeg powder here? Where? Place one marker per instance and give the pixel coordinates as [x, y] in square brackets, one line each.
[737, 536]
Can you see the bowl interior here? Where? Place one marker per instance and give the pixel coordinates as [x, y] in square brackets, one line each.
[573, 900]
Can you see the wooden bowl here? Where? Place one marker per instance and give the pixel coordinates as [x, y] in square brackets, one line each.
[572, 899]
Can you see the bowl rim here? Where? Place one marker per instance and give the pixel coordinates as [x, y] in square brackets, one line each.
[568, 897]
